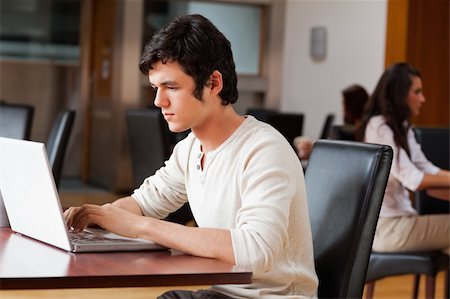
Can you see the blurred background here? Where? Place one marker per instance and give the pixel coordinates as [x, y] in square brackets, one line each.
[291, 56]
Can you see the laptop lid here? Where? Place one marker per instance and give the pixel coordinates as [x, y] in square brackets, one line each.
[32, 202]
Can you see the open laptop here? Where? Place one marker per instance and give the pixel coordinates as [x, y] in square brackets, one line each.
[33, 206]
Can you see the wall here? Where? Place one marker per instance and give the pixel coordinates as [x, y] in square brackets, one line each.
[355, 54]
[49, 87]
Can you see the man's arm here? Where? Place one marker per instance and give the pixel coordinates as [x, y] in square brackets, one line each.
[205, 242]
[124, 217]
[128, 203]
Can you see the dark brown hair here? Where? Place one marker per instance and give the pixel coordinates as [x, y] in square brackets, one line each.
[355, 98]
[389, 100]
[200, 48]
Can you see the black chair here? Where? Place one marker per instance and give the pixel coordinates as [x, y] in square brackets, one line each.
[329, 120]
[342, 132]
[16, 120]
[290, 125]
[435, 145]
[151, 143]
[57, 142]
[345, 184]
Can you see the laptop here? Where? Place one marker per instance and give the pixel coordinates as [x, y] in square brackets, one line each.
[32, 203]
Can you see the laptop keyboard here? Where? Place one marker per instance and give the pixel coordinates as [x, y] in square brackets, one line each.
[87, 237]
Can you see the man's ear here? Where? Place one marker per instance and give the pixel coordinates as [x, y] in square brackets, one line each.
[215, 82]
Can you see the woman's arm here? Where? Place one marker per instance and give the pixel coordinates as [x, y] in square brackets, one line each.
[438, 180]
[439, 193]
[437, 185]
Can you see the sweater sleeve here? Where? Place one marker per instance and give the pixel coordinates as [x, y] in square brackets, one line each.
[165, 191]
[270, 179]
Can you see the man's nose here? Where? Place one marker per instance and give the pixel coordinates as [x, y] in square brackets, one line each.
[160, 99]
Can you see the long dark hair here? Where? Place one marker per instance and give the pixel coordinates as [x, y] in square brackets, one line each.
[389, 100]
[200, 48]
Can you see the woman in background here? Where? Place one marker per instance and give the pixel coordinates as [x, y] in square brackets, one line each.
[354, 98]
[387, 120]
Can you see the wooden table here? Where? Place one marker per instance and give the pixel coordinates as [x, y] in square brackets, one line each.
[29, 264]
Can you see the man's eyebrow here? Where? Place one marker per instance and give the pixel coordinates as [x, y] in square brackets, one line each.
[165, 83]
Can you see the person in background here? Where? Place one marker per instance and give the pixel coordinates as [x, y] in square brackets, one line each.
[387, 120]
[354, 98]
[240, 176]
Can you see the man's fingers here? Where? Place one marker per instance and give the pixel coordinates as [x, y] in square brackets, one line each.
[84, 216]
[68, 216]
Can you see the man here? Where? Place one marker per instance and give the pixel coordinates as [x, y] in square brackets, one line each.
[243, 181]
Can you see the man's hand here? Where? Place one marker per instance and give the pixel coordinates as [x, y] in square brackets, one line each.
[108, 216]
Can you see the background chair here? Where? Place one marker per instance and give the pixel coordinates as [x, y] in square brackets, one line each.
[290, 125]
[329, 120]
[345, 184]
[342, 132]
[16, 120]
[57, 142]
[151, 143]
[435, 145]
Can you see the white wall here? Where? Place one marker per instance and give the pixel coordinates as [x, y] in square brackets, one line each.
[355, 54]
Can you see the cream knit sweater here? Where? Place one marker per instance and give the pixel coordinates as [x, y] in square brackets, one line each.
[253, 185]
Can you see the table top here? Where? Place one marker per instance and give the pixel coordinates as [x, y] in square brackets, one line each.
[29, 264]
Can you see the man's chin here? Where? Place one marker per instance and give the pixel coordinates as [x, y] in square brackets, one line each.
[177, 129]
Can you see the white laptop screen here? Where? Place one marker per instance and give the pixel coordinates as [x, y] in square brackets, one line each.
[29, 192]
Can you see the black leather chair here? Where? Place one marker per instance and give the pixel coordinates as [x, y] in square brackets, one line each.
[290, 125]
[342, 132]
[57, 142]
[345, 184]
[435, 145]
[16, 120]
[151, 143]
[328, 123]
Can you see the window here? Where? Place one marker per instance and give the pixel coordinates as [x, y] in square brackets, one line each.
[240, 23]
[40, 29]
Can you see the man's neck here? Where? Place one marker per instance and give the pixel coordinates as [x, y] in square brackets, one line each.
[219, 127]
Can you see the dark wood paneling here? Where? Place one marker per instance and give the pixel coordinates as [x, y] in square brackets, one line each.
[428, 50]
[418, 33]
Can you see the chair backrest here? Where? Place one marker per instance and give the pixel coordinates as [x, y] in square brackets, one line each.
[345, 184]
[435, 145]
[290, 125]
[342, 132]
[16, 120]
[150, 142]
[57, 141]
[329, 119]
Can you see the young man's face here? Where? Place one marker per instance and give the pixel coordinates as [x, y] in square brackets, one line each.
[174, 95]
